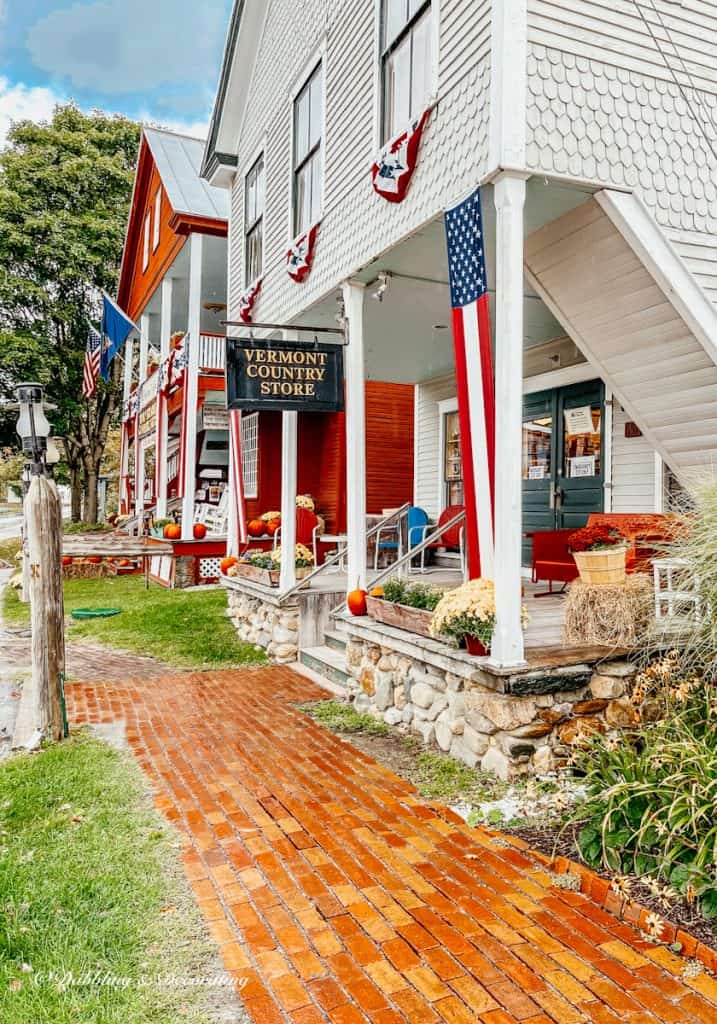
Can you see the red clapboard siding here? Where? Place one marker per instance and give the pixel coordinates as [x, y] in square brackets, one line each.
[389, 445]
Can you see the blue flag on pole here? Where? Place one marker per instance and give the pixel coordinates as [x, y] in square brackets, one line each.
[116, 326]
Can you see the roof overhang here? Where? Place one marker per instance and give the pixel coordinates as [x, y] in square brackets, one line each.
[243, 38]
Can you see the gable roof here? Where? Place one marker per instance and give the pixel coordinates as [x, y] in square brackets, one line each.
[178, 160]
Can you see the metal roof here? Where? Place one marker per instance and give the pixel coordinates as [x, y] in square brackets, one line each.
[178, 159]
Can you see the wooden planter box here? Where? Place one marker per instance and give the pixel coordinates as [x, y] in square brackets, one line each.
[415, 620]
[267, 577]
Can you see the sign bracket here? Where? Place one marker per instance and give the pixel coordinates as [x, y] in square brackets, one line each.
[251, 327]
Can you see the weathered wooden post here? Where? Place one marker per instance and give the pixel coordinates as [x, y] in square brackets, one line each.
[44, 532]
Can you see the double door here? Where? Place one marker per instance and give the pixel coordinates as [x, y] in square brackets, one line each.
[563, 463]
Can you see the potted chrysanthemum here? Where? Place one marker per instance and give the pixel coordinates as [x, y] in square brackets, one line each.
[467, 614]
[303, 560]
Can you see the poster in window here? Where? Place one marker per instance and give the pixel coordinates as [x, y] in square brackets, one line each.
[582, 466]
[579, 421]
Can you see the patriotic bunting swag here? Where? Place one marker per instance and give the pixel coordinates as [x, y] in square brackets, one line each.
[246, 302]
[474, 378]
[300, 255]
[237, 478]
[393, 169]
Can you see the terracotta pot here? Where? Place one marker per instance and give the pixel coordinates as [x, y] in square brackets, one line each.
[476, 646]
[601, 568]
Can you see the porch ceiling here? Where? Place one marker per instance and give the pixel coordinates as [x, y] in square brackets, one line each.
[408, 336]
[611, 277]
[214, 288]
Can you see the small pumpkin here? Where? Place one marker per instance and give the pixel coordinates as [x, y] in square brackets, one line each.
[94, 560]
[67, 559]
[172, 531]
[256, 527]
[199, 531]
[124, 562]
[377, 592]
[356, 602]
[272, 526]
[226, 564]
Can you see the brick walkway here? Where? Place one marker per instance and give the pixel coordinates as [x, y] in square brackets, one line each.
[338, 895]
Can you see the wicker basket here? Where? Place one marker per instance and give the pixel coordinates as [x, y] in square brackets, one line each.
[606, 566]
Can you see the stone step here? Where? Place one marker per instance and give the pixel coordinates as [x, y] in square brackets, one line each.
[328, 662]
[332, 638]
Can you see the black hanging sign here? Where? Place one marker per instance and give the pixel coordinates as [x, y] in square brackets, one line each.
[286, 375]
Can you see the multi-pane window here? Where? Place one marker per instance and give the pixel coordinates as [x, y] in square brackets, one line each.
[254, 222]
[145, 241]
[157, 218]
[250, 454]
[407, 59]
[308, 128]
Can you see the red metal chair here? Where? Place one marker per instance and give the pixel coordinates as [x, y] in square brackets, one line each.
[551, 560]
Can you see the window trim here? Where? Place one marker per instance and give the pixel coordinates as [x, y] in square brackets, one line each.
[260, 157]
[157, 218]
[147, 234]
[383, 52]
[318, 59]
[253, 493]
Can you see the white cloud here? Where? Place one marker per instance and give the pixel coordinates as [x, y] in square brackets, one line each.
[19, 102]
[129, 47]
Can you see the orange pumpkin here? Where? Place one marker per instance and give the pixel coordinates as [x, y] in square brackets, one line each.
[67, 559]
[272, 526]
[356, 602]
[172, 531]
[94, 560]
[256, 527]
[200, 531]
[124, 562]
[227, 563]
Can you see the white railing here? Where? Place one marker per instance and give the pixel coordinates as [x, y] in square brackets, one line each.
[211, 351]
[172, 466]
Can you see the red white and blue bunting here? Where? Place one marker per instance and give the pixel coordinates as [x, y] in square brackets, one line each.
[301, 254]
[394, 166]
[246, 302]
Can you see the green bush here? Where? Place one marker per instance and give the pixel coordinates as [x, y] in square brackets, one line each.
[653, 793]
[413, 595]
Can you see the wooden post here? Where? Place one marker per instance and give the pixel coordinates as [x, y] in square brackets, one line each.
[289, 428]
[165, 331]
[353, 294]
[44, 534]
[191, 382]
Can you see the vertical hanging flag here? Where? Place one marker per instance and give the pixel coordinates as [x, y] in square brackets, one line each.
[246, 302]
[237, 478]
[394, 166]
[301, 254]
[474, 377]
[116, 327]
[91, 365]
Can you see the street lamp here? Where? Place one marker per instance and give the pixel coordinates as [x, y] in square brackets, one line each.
[32, 424]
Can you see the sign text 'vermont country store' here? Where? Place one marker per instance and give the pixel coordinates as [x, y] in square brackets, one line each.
[284, 375]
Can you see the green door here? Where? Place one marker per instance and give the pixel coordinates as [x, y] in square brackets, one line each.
[562, 458]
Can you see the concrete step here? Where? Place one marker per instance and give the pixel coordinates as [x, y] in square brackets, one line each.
[332, 638]
[327, 662]
[447, 560]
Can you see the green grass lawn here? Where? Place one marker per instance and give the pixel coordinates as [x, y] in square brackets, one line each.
[90, 883]
[186, 629]
[9, 548]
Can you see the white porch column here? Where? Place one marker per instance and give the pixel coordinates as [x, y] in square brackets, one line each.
[138, 447]
[124, 457]
[353, 293]
[289, 454]
[509, 202]
[165, 330]
[196, 244]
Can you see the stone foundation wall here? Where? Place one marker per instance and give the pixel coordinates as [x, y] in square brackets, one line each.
[267, 624]
[509, 735]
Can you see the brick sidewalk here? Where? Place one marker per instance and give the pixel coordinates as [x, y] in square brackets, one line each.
[338, 895]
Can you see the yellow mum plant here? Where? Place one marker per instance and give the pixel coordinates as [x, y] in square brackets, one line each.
[469, 610]
[305, 501]
[304, 557]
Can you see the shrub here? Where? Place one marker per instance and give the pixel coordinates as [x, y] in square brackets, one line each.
[413, 595]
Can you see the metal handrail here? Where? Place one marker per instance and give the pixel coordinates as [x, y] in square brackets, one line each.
[411, 553]
[338, 555]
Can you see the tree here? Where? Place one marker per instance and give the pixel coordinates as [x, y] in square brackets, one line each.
[65, 188]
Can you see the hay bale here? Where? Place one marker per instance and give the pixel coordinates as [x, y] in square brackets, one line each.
[616, 615]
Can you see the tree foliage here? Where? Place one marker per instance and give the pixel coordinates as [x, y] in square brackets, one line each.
[65, 188]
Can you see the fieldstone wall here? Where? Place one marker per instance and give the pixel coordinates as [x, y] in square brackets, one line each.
[509, 734]
[274, 627]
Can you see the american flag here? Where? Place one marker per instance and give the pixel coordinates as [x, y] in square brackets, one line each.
[91, 367]
[474, 377]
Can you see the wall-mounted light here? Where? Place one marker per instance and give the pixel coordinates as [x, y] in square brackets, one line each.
[384, 279]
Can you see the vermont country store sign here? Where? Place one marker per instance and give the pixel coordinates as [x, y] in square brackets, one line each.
[284, 375]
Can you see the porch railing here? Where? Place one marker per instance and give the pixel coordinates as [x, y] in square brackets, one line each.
[427, 542]
[396, 515]
[212, 351]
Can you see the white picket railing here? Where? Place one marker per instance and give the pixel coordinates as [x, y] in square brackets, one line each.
[211, 351]
[172, 466]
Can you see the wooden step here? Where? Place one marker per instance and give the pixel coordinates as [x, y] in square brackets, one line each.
[332, 638]
[327, 662]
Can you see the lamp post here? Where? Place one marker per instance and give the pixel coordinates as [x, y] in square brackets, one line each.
[43, 560]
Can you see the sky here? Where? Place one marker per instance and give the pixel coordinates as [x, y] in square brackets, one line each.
[153, 60]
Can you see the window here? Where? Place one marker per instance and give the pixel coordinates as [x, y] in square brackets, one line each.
[254, 222]
[157, 218]
[407, 62]
[145, 246]
[250, 454]
[452, 465]
[308, 127]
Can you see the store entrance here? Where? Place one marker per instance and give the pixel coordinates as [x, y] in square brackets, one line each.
[563, 461]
